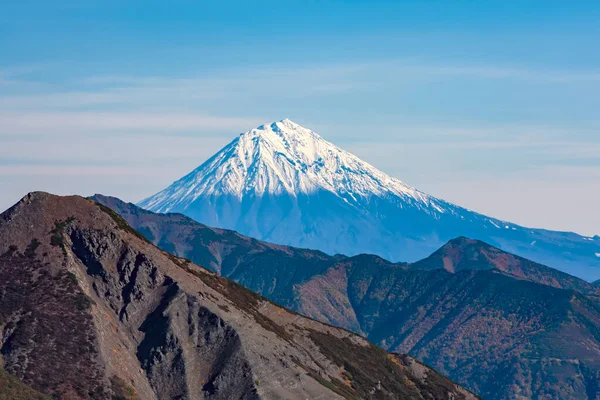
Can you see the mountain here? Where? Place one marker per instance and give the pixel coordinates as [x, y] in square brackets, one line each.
[508, 338]
[91, 310]
[468, 254]
[502, 326]
[285, 184]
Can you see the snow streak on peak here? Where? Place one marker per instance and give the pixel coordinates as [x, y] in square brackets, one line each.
[286, 158]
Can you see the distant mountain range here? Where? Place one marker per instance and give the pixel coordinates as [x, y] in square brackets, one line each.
[501, 325]
[285, 184]
[102, 299]
[91, 310]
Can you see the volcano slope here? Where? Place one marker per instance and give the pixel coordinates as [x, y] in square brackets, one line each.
[90, 310]
[285, 184]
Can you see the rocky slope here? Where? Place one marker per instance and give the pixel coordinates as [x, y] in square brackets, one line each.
[503, 326]
[265, 268]
[91, 310]
[285, 184]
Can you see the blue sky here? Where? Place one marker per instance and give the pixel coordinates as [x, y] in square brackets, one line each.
[492, 105]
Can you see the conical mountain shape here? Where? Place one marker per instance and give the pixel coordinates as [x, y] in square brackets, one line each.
[283, 158]
[285, 184]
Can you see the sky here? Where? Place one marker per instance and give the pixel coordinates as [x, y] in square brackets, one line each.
[492, 105]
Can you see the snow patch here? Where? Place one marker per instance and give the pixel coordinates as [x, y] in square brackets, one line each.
[495, 224]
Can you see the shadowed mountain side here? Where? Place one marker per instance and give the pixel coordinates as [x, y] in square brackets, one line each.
[273, 269]
[508, 338]
[500, 324]
[91, 310]
[463, 253]
[265, 268]
[285, 184]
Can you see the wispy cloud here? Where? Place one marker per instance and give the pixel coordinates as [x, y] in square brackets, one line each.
[67, 122]
[82, 171]
[262, 83]
[501, 72]
[177, 92]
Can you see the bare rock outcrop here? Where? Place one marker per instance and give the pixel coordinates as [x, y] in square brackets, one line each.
[90, 310]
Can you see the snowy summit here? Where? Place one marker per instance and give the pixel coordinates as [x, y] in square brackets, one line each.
[284, 158]
[285, 184]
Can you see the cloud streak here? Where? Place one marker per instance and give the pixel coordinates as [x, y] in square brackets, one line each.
[292, 82]
[492, 72]
[66, 122]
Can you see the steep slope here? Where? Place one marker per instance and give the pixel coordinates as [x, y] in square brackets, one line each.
[503, 326]
[285, 184]
[273, 270]
[265, 268]
[509, 338]
[90, 310]
[468, 254]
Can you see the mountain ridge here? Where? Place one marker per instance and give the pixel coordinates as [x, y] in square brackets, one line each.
[284, 184]
[92, 310]
[489, 328]
[487, 256]
[475, 254]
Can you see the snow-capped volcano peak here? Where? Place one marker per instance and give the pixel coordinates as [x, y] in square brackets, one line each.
[285, 184]
[284, 158]
[283, 138]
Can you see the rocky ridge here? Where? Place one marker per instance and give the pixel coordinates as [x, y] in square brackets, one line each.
[501, 325]
[91, 310]
[285, 184]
